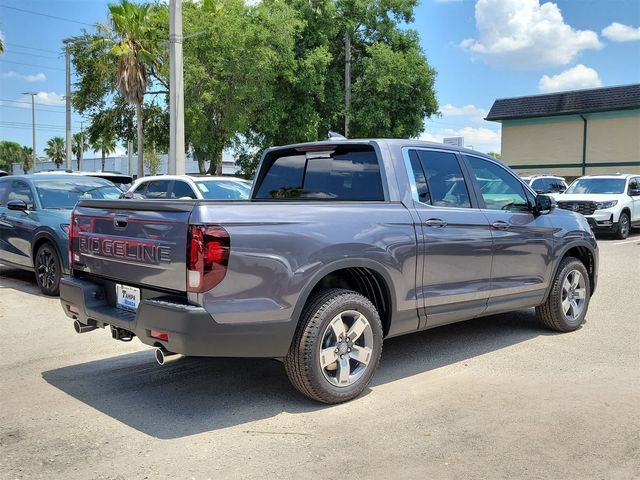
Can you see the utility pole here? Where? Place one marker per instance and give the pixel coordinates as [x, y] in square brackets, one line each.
[33, 129]
[69, 155]
[176, 91]
[81, 144]
[347, 82]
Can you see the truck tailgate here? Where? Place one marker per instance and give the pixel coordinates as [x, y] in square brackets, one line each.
[139, 242]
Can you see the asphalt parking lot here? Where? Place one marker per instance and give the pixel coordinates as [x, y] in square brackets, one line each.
[496, 397]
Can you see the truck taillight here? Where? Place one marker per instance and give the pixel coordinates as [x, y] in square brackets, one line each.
[72, 230]
[208, 248]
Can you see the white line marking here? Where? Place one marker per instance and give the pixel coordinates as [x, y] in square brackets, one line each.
[629, 240]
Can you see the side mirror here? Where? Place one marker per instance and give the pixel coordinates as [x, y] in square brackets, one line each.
[634, 193]
[544, 204]
[19, 205]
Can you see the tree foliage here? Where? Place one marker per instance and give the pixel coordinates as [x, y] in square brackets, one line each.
[55, 150]
[257, 74]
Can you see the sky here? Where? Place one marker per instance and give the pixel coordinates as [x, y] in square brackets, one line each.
[482, 50]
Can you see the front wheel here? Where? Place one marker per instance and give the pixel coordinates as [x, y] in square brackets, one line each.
[568, 301]
[623, 226]
[48, 269]
[337, 347]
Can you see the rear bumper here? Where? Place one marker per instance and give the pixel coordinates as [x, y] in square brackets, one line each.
[191, 330]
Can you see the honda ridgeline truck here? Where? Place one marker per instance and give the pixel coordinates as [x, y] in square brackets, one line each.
[343, 243]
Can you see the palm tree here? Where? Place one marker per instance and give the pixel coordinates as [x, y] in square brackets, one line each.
[131, 43]
[26, 155]
[78, 146]
[56, 150]
[105, 143]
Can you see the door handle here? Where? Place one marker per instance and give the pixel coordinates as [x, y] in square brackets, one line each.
[500, 225]
[435, 223]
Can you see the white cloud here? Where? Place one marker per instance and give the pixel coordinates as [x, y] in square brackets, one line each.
[617, 32]
[471, 111]
[37, 77]
[571, 79]
[42, 98]
[523, 33]
[482, 139]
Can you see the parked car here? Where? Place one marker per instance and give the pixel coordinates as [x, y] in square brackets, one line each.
[551, 185]
[343, 244]
[3, 173]
[120, 180]
[188, 187]
[35, 211]
[611, 203]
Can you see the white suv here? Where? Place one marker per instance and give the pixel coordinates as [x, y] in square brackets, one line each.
[610, 202]
[551, 185]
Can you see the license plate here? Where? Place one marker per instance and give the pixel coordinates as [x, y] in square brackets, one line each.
[127, 297]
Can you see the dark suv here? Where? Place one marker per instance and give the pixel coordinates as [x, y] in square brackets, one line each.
[35, 211]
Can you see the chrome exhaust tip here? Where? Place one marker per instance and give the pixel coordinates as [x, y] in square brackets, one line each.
[82, 328]
[163, 356]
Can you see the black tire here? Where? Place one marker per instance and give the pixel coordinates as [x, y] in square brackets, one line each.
[302, 363]
[551, 313]
[48, 269]
[622, 230]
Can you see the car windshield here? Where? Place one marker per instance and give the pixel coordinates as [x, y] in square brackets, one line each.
[597, 185]
[65, 193]
[224, 189]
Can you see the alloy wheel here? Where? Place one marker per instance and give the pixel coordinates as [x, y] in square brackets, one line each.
[574, 292]
[46, 267]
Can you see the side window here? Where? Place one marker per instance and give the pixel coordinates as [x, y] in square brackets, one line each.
[554, 185]
[444, 180]
[634, 184]
[499, 189]
[21, 191]
[155, 189]
[539, 186]
[419, 178]
[182, 190]
[3, 191]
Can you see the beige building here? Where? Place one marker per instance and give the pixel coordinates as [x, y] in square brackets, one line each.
[572, 133]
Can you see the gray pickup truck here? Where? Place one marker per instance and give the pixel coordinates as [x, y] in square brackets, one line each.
[343, 243]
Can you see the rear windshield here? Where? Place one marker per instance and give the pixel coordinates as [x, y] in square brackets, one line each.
[224, 189]
[65, 193]
[597, 185]
[340, 173]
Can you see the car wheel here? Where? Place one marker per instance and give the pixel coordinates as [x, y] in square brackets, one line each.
[622, 231]
[48, 269]
[337, 347]
[568, 301]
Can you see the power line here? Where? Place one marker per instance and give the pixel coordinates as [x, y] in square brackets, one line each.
[31, 65]
[45, 15]
[29, 103]
[30, 48]
[39, 109]
[31, 54]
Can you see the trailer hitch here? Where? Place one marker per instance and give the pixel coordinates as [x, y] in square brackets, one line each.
[121, 334]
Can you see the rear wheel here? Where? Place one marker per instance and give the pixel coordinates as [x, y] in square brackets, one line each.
[623, 226]
[337, 347]
[48, 269]
[568, 301]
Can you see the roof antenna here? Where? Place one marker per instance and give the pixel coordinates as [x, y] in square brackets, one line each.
[335, 136]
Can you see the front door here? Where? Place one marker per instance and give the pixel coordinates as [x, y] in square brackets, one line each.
[634, 184]
[522, 241]
[20, 225]
[455, 237]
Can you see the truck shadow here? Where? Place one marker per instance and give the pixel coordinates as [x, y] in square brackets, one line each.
[198, 395]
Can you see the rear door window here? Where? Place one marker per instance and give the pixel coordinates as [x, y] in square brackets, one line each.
[439, 179]
[182, 189]
[346, 173]
[539, 185]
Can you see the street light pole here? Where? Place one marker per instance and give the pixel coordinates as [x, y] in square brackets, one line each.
[66, 42]
[33, 129]
[176, 91]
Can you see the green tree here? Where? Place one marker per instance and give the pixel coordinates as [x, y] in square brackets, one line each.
[105, 143]
[152, 160]
[78, 147]
[495, 155]
[10, 152]
[55, 150]
[1, 45]
[27, 156]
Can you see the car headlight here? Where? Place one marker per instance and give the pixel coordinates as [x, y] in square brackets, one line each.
[609, 204]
